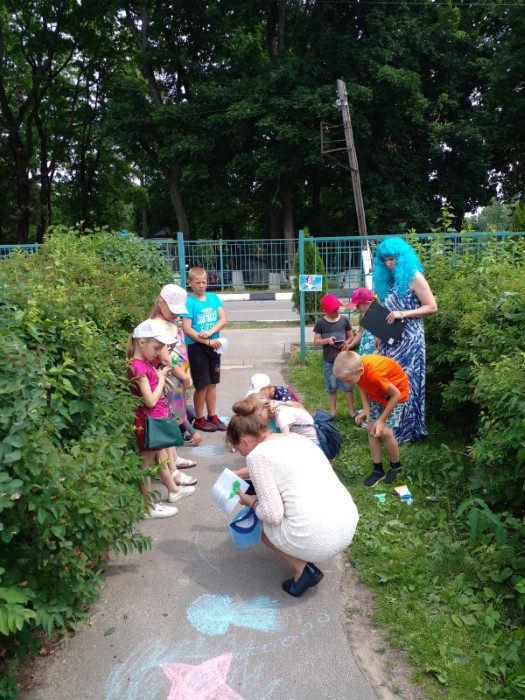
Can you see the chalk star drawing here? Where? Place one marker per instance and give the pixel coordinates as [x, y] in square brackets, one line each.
[213, 614]
[207, 681]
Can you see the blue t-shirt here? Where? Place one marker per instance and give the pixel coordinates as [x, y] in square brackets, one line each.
[204, 314]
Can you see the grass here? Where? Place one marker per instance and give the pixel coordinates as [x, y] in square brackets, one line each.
[432, 594]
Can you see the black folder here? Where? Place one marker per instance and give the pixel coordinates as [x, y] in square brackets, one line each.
[375, 321]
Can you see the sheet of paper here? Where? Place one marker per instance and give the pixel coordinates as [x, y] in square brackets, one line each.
[224, 491]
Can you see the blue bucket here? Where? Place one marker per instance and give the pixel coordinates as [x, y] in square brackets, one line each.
[245, 529]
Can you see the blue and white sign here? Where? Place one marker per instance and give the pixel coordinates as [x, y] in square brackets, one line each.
[310, 283]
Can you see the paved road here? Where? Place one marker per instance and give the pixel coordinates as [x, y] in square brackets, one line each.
[197, 619]
[267, 310]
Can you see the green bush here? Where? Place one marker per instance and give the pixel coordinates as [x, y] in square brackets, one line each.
[313, 265]
[70, 471]
[475, 368]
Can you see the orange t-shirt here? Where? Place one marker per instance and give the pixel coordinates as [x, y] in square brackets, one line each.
[378, 373]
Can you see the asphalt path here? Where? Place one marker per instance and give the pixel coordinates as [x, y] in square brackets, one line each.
[196, 618]
[265, 310]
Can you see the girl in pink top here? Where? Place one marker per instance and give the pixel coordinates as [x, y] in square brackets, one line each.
[144, 345]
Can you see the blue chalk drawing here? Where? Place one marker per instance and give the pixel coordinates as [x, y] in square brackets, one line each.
[210, 450]
[213, 614]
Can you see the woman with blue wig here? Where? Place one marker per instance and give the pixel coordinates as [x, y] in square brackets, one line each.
[404, 291]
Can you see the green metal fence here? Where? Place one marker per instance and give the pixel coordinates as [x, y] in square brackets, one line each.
[267, 264]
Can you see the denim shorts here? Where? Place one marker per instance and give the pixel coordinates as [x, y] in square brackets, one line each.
[332, 383]
[393, 420]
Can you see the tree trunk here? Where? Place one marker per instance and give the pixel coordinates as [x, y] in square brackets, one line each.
[44, 214]
[144, 226]
[173, 175]
[315, 221]
[22, 197]
[275, 226]
[288, 226]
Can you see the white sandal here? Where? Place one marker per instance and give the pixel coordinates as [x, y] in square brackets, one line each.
[183, 479]
[182, 463]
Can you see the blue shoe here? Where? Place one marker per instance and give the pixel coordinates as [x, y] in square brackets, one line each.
[310, 577]
[314, 568]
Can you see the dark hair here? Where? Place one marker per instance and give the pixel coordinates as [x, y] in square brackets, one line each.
[246, 421]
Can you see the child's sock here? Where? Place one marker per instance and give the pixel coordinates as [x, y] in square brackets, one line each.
[395, 468]
[376, 476]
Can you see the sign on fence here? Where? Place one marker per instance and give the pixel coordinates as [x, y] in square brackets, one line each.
[310, 283]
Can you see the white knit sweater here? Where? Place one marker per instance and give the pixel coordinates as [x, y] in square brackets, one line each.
[305, 510]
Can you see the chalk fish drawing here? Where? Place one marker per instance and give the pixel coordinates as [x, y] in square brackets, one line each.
[207, 681]
[213, 614]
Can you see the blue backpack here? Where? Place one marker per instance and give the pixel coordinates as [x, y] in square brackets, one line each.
[329, 437]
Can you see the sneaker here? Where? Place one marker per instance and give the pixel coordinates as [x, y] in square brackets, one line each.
[181, 493]
[374, 478]
[217, 422]
[161, 510]
[205, 425]
[391, 475]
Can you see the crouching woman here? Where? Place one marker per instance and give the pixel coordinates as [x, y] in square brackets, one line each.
[302, 522]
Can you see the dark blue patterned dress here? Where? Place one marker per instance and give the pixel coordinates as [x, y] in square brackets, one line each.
[409, 352]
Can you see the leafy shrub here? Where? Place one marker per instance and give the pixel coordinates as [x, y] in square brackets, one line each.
[313, 265]
[69, 477]
[475, 367]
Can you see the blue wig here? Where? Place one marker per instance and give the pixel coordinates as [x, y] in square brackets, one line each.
[406, 266]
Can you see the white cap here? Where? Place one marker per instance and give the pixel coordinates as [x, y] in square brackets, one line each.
[175, 297]
[258, 382]
[153, 328]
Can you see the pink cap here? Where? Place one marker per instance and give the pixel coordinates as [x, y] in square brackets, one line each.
[175, 297]
[361, 295]
[330, 303]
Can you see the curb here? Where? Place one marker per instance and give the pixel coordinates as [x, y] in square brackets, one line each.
[256, 296]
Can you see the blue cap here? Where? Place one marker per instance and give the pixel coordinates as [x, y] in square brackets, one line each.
[245, 529]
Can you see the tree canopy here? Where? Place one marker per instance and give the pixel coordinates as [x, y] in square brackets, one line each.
[206, 116]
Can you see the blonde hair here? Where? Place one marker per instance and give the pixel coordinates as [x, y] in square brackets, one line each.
[131, 346]
[275, 405]
[241, 407]
[246, 421]
[155, 309]
[194, 272]
[347, 363]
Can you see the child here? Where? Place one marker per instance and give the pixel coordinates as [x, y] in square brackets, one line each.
[144, 346]
[383, 386]
[361, 300]
[261, 384]
[288, 416]
[202, 323]
[331, 332]
[170, 304]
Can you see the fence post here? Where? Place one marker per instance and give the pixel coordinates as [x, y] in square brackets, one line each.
[182, 259]
[301, 297]
[221, 260]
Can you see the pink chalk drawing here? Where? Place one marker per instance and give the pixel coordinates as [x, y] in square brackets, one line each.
[207, 681]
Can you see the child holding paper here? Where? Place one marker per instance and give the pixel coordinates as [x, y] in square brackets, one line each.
[331, 332]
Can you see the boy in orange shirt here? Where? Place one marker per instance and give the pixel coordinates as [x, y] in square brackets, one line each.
[383, 386]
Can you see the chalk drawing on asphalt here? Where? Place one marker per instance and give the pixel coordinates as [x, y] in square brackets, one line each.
[210, 450]
[138, 676]
[206, 681]
[213, 614]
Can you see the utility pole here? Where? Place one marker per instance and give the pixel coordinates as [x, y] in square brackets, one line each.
[352, 158]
